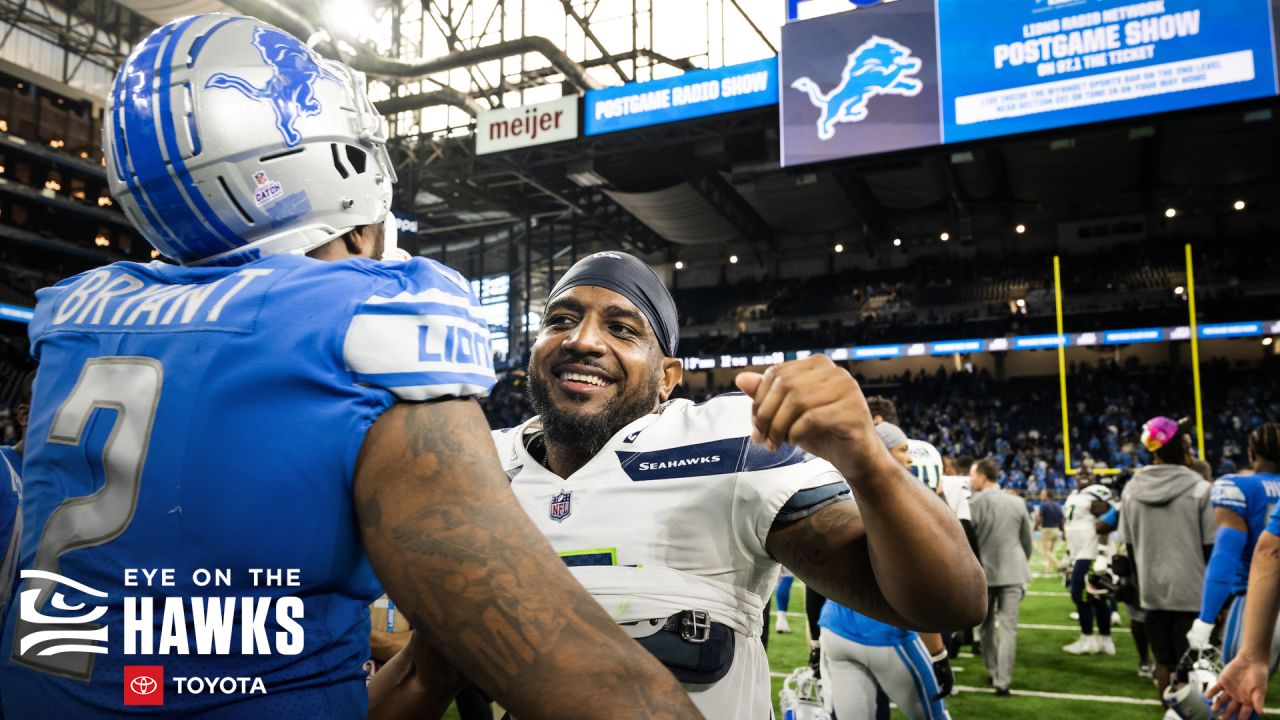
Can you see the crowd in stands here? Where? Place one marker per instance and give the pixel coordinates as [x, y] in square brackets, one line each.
[945, 298]
[1017, 422]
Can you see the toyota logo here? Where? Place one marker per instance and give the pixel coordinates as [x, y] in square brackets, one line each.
[143, 685]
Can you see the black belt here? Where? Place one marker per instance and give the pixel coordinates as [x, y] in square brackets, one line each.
[696, 649]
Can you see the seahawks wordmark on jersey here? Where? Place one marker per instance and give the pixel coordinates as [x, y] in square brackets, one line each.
[673, 515]
[188, 480]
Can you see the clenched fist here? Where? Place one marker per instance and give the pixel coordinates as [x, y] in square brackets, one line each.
[816, 405]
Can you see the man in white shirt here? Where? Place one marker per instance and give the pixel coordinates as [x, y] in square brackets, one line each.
[675, 515]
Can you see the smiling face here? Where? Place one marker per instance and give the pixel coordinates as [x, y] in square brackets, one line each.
[595, 367]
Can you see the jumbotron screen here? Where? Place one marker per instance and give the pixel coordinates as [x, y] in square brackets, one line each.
[913, 73]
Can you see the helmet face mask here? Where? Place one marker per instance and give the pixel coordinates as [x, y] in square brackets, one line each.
[228, 140]
[1188, 697]
[803, 696]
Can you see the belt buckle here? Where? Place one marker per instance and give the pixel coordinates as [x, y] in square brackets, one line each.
[695, 626]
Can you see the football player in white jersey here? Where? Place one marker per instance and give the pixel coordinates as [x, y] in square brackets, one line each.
[675, 515]
[1083, 507]
[926, 464]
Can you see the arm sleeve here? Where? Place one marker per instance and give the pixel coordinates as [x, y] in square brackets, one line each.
[421, 335]
[1221, 571]
[1111, 517]
[813, 604]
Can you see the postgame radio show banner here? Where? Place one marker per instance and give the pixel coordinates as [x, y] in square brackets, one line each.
[912, 73]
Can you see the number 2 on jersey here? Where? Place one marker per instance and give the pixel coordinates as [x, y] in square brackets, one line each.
[130, 386]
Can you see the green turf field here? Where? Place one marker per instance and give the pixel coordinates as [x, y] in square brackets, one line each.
[1048, 684]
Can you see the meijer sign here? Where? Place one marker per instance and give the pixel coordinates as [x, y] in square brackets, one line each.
[511, 128]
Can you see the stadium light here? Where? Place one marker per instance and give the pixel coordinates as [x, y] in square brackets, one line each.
[945, 236]
[1171, 212]
[839, 248]
[897, 242]
[679, 264]
[733, 259]
[1266, 341]
[1239, 205]
[1020, 228]
[353, 17]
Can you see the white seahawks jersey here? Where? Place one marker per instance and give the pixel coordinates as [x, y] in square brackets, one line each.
[673, 515]
[926, 462]
[1079, 528]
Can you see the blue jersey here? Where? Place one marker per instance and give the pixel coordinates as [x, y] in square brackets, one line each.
[1253, 497]
[10, 519]
[188, 481]
[859, 628]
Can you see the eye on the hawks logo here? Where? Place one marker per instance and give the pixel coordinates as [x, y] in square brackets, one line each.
[560, 506]
[42, 639]
[144, 685]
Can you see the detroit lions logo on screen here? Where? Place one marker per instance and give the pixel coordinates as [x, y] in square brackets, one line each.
[291, 90]
[878, 67]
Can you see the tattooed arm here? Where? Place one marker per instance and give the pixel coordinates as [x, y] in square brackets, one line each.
[480, 584]
[806, 547]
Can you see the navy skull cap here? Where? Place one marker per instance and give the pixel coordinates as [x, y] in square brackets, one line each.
[632, 278]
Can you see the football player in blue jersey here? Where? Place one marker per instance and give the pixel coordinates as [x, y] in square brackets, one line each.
[1242, 687]
[11, 493]
[219, 450]
[1242, 504]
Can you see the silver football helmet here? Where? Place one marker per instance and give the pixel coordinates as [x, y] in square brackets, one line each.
[803, 696]
[1190, 700]
[227, 139]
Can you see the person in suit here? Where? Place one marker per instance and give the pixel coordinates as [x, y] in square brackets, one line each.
[1003, 528]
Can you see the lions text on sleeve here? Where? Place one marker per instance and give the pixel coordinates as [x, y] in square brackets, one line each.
[673, 515]
[230, 405]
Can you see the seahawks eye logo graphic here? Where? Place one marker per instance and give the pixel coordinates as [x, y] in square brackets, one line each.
[56, 634]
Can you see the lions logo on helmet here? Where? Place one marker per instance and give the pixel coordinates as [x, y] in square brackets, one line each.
[184, 155]
[291, 91]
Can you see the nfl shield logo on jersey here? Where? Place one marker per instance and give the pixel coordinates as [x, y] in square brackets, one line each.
[560, 506]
